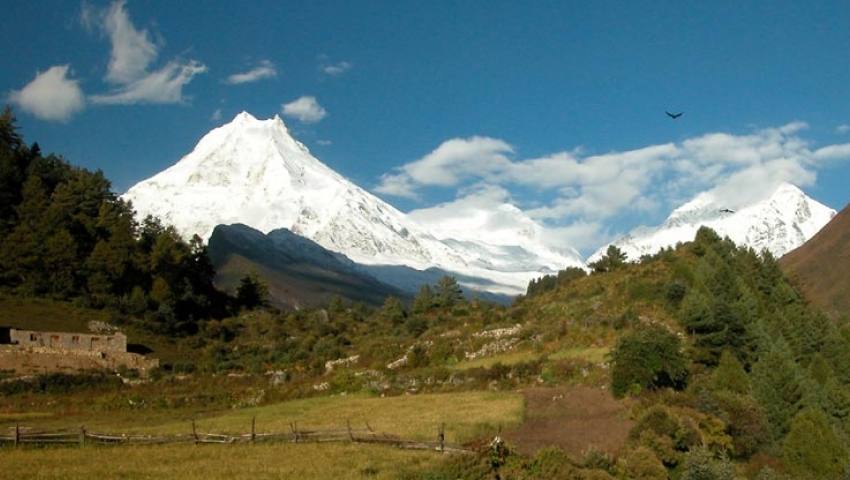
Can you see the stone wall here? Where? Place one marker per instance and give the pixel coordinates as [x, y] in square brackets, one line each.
[36, 360]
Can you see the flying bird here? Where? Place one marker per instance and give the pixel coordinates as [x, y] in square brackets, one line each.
[726, 210]
[674, 116]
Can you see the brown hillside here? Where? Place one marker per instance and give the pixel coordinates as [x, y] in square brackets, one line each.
[821, 267]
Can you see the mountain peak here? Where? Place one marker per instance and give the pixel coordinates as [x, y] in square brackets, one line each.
[788, 190]
[244, 116]
[254, 172]
[779, 222]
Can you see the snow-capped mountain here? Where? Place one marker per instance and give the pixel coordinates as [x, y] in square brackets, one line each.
[494, 235]
[254, 172]
[780, 223]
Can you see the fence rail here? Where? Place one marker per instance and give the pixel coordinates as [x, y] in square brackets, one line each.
[19, 436]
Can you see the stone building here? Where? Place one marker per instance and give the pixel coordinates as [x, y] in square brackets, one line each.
[32, 352]
[88, 342]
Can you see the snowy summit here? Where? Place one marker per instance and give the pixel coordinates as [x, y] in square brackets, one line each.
[254, 172]
[779, 223]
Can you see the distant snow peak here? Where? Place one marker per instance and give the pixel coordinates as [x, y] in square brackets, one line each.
[254, 172]
[783, 221]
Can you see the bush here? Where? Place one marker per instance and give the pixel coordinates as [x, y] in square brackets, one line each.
[675, 292]
[745, 422]
[648, 358]
[641, 464]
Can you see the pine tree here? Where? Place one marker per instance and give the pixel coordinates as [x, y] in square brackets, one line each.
[424, 300]
[819, 370]
[777, 385]
[613, 259]
[251, 292]
[730, 375]
[393, 311]
[812, 450]
[449, 293]
[62, 264]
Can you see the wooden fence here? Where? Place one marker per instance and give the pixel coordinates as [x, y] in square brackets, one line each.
[19, 436]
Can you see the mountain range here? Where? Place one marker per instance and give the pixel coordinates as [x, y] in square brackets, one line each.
[253, 172]
[264, 202]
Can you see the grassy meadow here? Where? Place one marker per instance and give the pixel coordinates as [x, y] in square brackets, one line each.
[186, 461]
[467, 415]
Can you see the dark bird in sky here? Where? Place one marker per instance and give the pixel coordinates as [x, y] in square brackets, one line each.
[674, 116]
[726, 210]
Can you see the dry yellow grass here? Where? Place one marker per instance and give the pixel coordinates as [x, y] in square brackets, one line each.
[465, 414]
[410, 416]
[206, 462]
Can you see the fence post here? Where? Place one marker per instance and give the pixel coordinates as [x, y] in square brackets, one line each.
[17, 434]
[194, 432]
[441, 437]
[82, 435]
[294, 432]
[350, 434]
[253, 428]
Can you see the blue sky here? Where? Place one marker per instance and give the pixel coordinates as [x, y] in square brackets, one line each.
[557, 107]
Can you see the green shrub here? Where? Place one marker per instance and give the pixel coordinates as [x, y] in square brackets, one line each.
[60, 383]
[701, 464]
[648, 358]
[641, 464]
[745, 422]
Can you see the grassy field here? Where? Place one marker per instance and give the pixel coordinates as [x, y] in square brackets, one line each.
[283, 460]
[467, 415]
[590, 354]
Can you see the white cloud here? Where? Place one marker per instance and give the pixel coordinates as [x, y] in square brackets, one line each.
[586, 191]
[132, 50]
[89, 16]
[306, 109]
[335, 69]
[844, 128]
[833, 152]
[452, 162]
[265, 69]
[582, 235]
[51, 95]
[162, 86]
[132, 54]
[397, 185]
[324, 143]
[216, 115]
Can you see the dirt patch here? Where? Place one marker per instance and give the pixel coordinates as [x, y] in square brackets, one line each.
[573, 419]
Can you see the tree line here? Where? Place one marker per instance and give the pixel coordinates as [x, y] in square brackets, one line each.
[65, 235]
